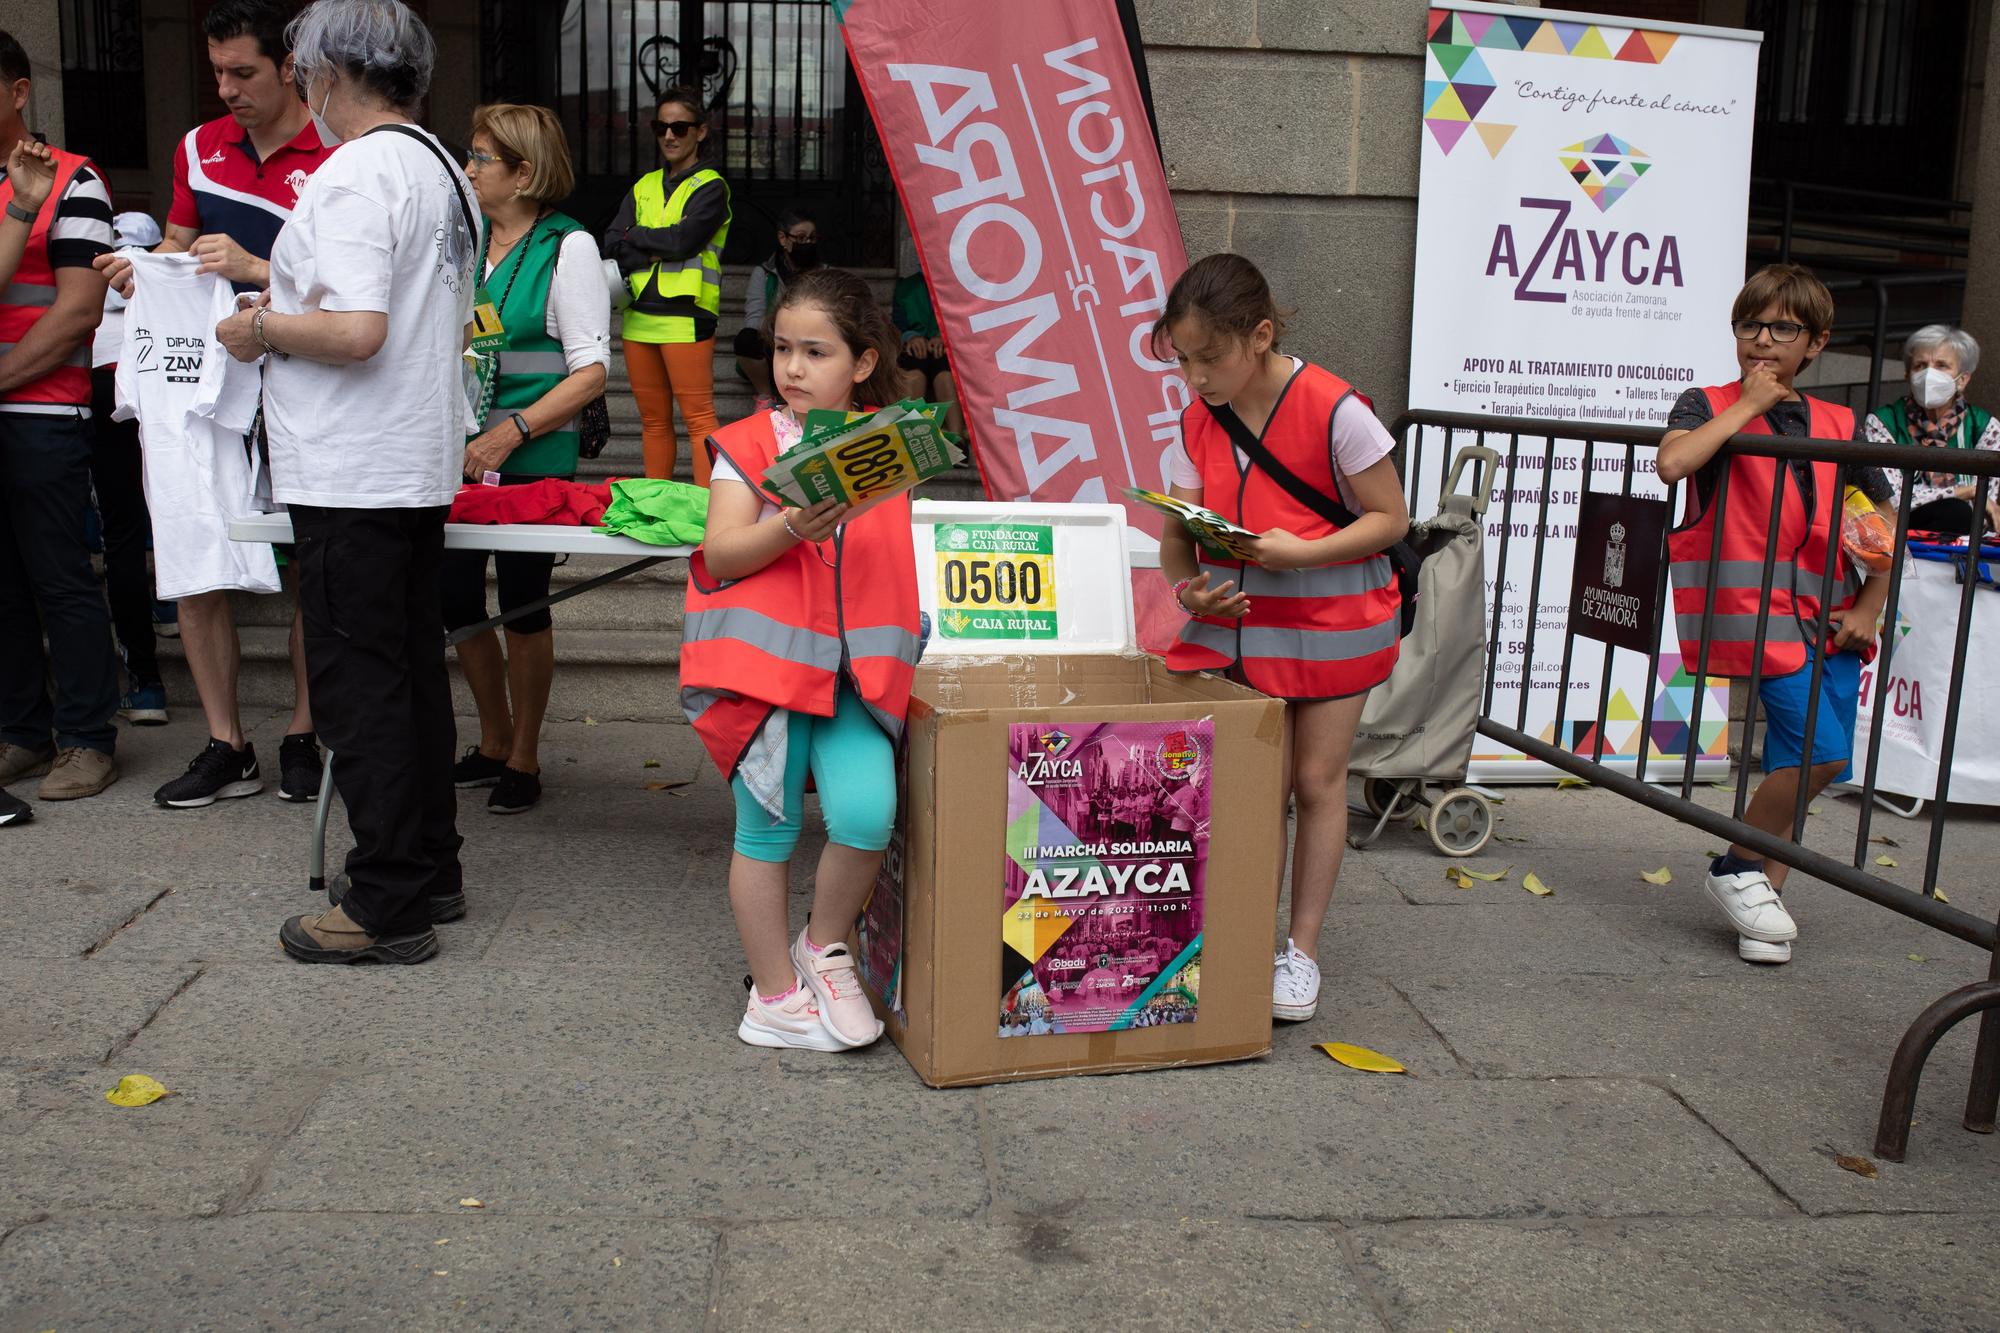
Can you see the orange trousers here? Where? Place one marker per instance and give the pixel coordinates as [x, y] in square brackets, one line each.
[663, 373]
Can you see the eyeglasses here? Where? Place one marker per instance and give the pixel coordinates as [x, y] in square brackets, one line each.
[810, 238]
[674, 127]
[475, 158]
[1781, 330]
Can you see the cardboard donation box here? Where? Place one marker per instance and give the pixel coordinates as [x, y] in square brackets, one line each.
[1084, 875]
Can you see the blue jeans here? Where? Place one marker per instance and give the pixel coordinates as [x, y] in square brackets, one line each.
[47, 586]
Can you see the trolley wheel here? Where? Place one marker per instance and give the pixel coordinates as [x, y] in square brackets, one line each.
[1383, 794]
[1461, 822]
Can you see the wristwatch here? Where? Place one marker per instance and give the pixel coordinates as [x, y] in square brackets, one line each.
[14, 210]
[521, 424]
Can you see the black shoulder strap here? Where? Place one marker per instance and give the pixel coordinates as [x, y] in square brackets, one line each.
[1326, 506]
[451, 174]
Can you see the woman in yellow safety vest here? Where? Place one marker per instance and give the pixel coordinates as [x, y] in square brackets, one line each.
[668, 240]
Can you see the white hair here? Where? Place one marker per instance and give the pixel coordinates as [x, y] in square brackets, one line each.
[379, 43]
[1962, 344]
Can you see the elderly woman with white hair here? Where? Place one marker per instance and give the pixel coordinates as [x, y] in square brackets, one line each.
[1939, 359]
[362, 330]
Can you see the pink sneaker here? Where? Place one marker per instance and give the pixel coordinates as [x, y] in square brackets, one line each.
[791, 1022]
[835, 987]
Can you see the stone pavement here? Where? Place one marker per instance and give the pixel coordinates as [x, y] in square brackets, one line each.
[1609, 1120]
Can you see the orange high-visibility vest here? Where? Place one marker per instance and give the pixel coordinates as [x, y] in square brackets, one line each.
[33, 290]
[1322, 633]
[783, 636]
[1798, 562]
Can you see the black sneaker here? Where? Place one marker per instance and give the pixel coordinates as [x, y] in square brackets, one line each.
[14, 810]
[516, 791]
[443, 907]
[300, 767]
[476, 770]
[217, 773]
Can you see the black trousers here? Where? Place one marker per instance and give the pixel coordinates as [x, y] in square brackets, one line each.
[47, 584]
[368, 588]
[118, 473]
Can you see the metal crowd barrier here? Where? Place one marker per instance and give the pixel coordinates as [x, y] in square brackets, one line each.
[1432, 438]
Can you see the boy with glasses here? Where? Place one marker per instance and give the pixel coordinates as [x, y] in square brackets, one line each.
[1781, 320]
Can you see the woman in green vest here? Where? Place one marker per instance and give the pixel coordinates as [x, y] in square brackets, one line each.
[667, 239]
[1939, 359]
[543, 279]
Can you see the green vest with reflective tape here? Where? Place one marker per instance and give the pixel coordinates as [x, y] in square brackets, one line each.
[696, 279]
[531, 362]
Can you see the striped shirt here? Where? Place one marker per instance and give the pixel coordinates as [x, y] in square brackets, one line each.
[221, 185]
[81, 229]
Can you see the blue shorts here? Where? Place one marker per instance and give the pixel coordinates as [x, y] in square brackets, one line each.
[1785, 700]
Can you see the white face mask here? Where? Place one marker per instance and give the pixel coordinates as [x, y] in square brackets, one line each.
[319, 116]
[1932, 387]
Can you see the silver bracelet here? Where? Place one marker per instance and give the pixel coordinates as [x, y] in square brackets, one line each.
[786, 519]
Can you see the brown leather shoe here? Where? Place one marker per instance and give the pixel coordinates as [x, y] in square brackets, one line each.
[78, 773]
[18, 761]
[331, 937]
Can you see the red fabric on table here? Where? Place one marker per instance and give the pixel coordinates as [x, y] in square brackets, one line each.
[550, 501]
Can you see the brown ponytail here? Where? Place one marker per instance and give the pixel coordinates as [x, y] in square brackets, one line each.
[863, 326]
[1227, 293]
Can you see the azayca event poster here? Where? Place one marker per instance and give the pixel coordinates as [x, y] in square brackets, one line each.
[1107, 854]
[1581, 211]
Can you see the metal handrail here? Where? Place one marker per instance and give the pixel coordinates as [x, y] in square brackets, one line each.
[1924, 906]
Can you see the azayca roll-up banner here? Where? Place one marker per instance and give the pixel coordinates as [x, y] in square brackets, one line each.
[1026, 163]
[1580, 235]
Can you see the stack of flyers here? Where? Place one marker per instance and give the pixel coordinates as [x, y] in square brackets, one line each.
[1212, 532]
[860, 457]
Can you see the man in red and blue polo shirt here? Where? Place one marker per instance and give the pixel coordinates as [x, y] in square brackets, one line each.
[236, 180]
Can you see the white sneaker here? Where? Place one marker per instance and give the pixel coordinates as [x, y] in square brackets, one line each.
[791, 1022]
[1753, 906]
[836, 990]
[1757, 951]
[1294, 985]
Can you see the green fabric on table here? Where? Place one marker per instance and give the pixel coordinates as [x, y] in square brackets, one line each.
[657, 511]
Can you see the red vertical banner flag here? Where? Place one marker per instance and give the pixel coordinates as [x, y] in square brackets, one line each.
[1025, 160]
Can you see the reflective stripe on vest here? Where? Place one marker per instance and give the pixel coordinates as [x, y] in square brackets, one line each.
[784, 636]
[697, 278]
[1319, 633]
[32, 293]
[1734, 600]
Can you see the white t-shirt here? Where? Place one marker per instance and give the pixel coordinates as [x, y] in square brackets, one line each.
[193, 402]
[1359, 442]
[380, 228]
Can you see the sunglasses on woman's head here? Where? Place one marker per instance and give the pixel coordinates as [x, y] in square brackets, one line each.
[674, 127]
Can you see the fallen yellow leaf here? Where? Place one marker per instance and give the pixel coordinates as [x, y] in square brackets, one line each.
[1938, 894]
[1567, 784]
[1885, 861]
[470, 1203]
[1360, 1057]
[1660, 876]
[137, 1090]
[1916, 958]
[650, 763]
[1860, 1166]
[589, 721]
[1812, 809]
[1488, 876]
[445, 1241]
[617, 1263]
[1533, 884]
[440, 1272]
[1460, 878]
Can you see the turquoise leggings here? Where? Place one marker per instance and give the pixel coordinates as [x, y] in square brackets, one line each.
[854, 768]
